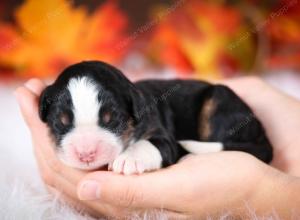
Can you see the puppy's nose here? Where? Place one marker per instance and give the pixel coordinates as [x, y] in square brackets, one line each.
[87, 157]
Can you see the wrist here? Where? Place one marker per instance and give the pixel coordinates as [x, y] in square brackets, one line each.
[277, 193]
[247, 88]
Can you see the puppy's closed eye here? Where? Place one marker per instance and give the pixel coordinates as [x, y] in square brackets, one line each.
[106, 117]
[65, 119]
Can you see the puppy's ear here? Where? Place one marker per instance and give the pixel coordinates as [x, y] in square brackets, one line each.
[137, 104]
[45, 101]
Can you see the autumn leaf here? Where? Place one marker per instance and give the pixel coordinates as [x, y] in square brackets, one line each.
[195, 38]
[50, 35]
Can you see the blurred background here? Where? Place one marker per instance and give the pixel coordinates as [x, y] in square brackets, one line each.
[208, 40]
[185, 38]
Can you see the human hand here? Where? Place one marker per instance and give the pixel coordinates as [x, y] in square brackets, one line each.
[280, 116]
[197, 187]
[201, 190]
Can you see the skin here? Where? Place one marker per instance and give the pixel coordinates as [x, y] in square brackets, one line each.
[198, 186]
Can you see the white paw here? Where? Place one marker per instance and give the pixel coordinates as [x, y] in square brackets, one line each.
[137, 158]
[127, 164]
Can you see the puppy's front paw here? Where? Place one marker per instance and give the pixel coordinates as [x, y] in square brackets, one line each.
[128, 164]
[140, 157]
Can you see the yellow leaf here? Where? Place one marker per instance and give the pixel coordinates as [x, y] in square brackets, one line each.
[53, 24]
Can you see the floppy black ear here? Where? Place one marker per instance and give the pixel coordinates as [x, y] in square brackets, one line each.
[137, 104]
[46, 99]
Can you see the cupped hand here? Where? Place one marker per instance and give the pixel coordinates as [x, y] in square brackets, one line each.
[195, 187]
[198, 186]
[280, 116]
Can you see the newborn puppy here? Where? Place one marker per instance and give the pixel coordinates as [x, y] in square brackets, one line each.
[98, 117]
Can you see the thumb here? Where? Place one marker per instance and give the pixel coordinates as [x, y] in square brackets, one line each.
[151, 190]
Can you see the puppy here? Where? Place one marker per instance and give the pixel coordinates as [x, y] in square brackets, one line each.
[98, 117]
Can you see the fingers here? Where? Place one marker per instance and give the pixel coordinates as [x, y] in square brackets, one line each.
[28, 105]
[27, 97]
[36, 86]
[144, 191]
[28, 102]
[66, 184]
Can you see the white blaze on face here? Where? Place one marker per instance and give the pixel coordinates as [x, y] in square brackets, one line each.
[87, 146]
[84, 94]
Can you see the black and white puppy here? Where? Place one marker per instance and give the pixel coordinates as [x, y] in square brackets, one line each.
[98, 117]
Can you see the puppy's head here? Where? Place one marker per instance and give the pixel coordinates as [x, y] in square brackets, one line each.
[91, 112]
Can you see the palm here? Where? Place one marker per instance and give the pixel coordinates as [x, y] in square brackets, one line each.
[214, 175]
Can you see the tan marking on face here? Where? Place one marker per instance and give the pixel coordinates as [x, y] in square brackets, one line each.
[106, 117]
[206, 112]
[64, 118]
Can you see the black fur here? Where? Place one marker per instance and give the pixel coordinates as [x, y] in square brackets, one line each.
[163, 112]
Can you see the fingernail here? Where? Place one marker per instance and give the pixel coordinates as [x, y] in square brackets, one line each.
[89, 190]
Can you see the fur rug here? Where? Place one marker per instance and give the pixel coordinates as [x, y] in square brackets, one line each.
[23, 195]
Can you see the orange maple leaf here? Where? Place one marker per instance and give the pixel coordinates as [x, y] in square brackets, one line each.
[50, 35]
